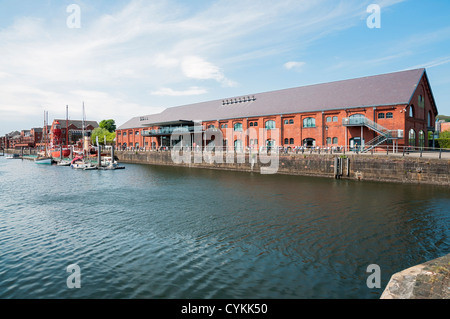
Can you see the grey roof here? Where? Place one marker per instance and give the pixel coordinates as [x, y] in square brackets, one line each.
[77, 123]
[386, 89]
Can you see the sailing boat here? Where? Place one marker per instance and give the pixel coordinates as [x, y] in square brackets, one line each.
[82, 162]
[43, 157]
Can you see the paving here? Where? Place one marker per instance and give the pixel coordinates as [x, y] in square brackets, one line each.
[430, 280]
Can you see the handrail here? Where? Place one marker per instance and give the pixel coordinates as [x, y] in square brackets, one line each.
[364, 121]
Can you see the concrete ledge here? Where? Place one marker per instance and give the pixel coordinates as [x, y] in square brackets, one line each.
[430, 280]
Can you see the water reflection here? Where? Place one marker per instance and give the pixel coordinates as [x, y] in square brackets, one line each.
[164, 232]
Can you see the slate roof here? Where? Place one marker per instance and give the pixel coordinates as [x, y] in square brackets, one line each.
[386, 89]
[77, 123]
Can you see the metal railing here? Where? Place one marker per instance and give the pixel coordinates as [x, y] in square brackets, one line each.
[364, 121]
[386, 150]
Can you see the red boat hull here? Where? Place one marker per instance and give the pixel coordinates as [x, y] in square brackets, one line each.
[57, 154]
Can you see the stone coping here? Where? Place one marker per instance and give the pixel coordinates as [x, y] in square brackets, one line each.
[430, 280]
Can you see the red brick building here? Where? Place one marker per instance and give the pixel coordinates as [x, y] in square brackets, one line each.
[395, 109]
[445, 127]
[71, 130]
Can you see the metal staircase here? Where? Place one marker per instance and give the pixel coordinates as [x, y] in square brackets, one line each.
[385, 134]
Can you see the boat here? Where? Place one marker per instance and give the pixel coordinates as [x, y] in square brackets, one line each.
[43, 157]
[44, 160]
[13, 156]
[63, 163]
[56, 143]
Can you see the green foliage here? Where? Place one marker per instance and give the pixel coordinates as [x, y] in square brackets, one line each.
[443, 117]
[101, 133]
[109, 125]
[444, 135]
[444, 142]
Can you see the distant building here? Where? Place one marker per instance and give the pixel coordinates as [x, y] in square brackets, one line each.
[71, 130]
[9, 139]
[396, 109]
[445, 127]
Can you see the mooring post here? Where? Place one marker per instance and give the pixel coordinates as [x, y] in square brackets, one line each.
[112, 154]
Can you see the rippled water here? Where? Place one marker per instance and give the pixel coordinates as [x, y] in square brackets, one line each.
[164, 232]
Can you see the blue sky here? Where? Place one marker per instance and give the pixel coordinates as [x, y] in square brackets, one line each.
[137, 57]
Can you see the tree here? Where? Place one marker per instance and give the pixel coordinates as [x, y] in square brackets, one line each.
[101, 133]
[444, 139]
[109, 125]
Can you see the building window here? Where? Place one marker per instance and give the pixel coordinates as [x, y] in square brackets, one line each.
[286, 141]
[390, 115]
[224, 126]
[309, 142]
[291, 141]
[270, 144]
[429, 119]
[411, 111]
[251, 124]
[211, 126]
[124, 134]
[329, 119]
[381, 115]
[412, 138]
[335, 140]
[335, 119]
[421, 101]
[286, 122]
[421, 139]
[309, 122]
[238, 127]
[270, 125]
[137, 133]
[255, 124]
[328, 140]
[238, 146]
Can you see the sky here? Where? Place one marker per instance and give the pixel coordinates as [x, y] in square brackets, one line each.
[131, 58]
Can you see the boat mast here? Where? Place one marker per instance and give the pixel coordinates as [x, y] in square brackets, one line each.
[82, 139]
[46, 132]
[67, 126]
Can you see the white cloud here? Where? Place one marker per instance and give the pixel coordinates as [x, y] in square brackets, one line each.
[433, 63]
[170, 92]
[197, 68]
[294, 65]
[114, 58]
